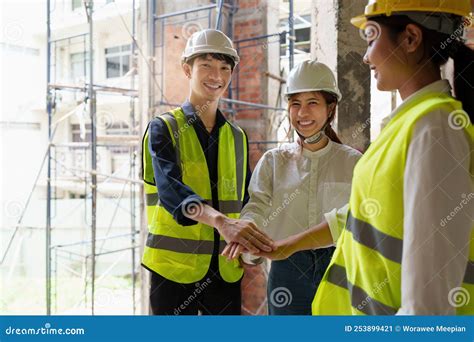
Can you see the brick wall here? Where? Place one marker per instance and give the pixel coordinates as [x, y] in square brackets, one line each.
[249, 22]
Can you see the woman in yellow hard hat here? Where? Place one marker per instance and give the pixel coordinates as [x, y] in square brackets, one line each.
[407, 244]
[295, 184]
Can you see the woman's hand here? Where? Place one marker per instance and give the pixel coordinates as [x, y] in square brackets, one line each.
[317, 237]
[283, 249]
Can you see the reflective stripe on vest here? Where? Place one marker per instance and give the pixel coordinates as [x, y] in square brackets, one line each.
[469, 275]
[363, 232]
[225, 207]
[360, 299]
[183, 253]
[364, 276]
[182, 245]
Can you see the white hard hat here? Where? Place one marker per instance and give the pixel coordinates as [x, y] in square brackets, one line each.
[209, 41]
[311, 76]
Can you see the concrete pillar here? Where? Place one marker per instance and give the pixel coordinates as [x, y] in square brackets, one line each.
[338, 44]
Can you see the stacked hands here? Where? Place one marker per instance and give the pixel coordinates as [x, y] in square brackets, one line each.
[243, 236]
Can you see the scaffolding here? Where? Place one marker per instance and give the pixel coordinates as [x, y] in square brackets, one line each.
[88, 174]
[87, 178]
[232, 104]
[90, 177]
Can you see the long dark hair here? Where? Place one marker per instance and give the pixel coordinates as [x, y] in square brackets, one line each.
[438, 48]
[329, 131]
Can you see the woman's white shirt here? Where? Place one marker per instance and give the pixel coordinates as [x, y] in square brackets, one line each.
[291, 189]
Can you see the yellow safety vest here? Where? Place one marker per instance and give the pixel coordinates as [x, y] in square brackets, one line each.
[364, 276]
[183, 253]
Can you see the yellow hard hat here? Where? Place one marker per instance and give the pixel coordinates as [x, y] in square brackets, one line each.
[209, 41]
[388, 7]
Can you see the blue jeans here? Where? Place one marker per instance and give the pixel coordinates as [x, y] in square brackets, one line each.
[292, 283]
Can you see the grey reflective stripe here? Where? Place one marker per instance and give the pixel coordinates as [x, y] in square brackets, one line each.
[179, 245]
[239, 158]
[222, 245]
[359, 298]
[230, 207]
[364, 233]
[175, 132]
[469, 275]
[151, 199]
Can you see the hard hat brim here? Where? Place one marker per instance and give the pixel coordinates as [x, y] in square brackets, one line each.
[360, 21]
[331, 91]
[210, 50]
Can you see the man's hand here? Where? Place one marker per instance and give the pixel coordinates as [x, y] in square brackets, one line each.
[244, 233]
[233, 250]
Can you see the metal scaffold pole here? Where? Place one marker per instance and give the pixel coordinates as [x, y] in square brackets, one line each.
[48, 180]
[91, 94]
[291, 25]
[133, 159]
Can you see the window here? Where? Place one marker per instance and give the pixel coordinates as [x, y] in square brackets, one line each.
[117, 60]
[76, 133]
[302, 25]
[118, 128]
[76, 4]
[79, 65]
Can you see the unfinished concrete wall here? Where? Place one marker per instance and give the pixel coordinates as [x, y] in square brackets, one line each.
[338, 44]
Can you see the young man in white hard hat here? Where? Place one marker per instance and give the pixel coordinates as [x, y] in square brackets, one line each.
[197, 162]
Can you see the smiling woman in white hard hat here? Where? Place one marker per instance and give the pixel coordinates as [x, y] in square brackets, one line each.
[294, 185]
[407, 245]
[197, 162]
